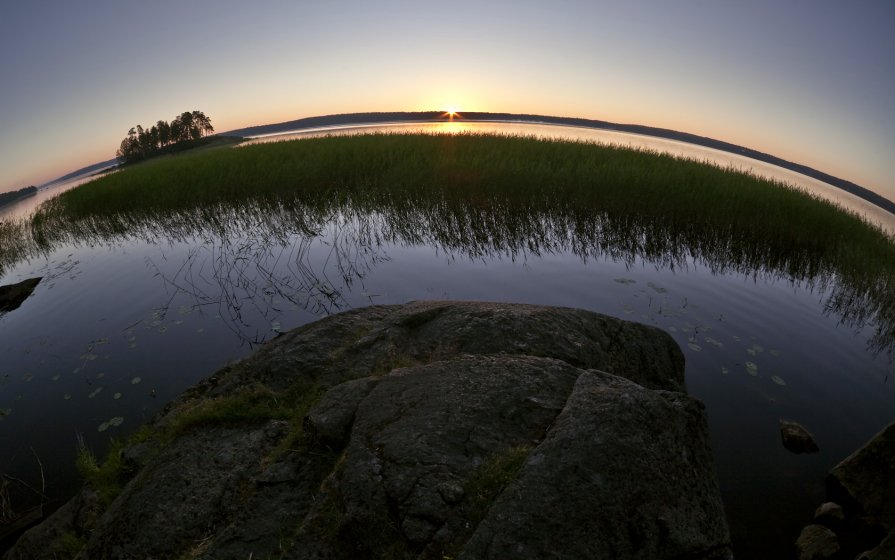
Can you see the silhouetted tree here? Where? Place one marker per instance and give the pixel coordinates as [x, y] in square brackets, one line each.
[163, 137]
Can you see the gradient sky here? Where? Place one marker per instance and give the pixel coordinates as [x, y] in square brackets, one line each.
[812, 81]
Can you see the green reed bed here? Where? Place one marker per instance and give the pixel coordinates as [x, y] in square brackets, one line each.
[476, 195]
[477, 168]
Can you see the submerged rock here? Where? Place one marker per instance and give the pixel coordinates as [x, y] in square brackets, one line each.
[816, 543]
[13, 295]
[796, 438]
[428, 430]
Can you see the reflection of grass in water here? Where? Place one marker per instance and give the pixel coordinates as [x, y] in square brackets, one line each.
[481, 196]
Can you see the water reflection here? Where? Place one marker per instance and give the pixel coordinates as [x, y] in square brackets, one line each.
[258, 254]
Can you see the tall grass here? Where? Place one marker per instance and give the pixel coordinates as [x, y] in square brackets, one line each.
[483, 194]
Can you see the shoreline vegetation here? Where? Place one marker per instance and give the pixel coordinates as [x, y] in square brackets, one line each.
[474, 195]
[441, 116]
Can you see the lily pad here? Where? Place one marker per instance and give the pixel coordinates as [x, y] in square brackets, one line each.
[751, 369]
[116, 396]
[117, 421]
[658, 289]
[778, 380]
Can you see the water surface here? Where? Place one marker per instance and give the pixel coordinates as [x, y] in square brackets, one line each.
[122, 324]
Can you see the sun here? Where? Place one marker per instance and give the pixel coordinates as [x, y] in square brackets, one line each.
[452, 111]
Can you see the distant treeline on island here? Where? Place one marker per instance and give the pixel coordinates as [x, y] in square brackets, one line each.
[436, 116]
[163, 137]
[12, 196]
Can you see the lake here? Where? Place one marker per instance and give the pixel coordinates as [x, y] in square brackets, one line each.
[119, 327]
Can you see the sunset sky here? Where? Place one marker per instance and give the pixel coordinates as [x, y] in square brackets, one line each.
[809, 81]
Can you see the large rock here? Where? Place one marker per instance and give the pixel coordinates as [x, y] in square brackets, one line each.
[866, 479]
[470, 430]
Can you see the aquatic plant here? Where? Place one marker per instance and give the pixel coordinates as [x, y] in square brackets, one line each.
[473, 196]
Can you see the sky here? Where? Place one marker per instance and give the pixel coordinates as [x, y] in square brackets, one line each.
[811, 81]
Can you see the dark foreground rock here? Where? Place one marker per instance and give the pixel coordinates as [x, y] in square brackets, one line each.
[429, 430]
[860, 513]
[13, 295]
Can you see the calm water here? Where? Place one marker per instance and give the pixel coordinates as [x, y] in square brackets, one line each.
[119, 326]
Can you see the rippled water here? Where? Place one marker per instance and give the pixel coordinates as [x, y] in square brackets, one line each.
[121, 325]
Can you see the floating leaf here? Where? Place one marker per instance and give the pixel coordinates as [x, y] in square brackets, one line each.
[751, 369]
[117, 421]
[89, 357]
[625, 281]
[757, 348]
[67, 397]
[777, 380]
[132, 345]
[55, 377]
[200, 330]
[100, 375]
[751, 352]
[735, 337]
[724, 370]
[116, 396]
[103, 427]
[5, 412]
[95, 392]
[658, 289]
[163, 329]
[135, 380]
[695, 347]
[775, 353]
[713, 342]
[275, 326]
[672, 329]
[27, 377]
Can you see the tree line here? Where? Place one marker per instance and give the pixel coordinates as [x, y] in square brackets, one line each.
[164, 137]
[12, 196]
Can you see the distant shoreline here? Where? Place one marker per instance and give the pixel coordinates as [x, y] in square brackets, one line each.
[439, 116]
[12, 197]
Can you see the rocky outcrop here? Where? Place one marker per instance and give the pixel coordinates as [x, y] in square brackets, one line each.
[429, 430]
[859, 517]
[13, 295]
